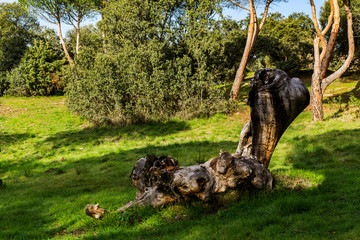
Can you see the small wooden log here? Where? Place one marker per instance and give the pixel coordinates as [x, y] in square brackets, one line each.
[94, 211]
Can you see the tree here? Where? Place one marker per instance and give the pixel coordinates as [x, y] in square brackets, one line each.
[253, 31]
[36, 74]
[76, 12]
[341, 50]
[52, 11]
[320, 81]
[90, 38]
[17, 30]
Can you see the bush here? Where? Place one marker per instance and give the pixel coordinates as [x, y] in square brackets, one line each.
[131, 88]
[154, 67]
[36, 74]
[17, 82]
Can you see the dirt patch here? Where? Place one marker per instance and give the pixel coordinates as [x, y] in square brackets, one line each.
[293, 183]
[77, 233]
[4, 110]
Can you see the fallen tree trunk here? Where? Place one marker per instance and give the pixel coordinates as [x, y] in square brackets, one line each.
[275, 101]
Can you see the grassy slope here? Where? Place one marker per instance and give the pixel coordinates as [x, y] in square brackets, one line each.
[53, 164]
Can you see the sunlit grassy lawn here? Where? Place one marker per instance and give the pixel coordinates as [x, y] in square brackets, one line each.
[53, 163]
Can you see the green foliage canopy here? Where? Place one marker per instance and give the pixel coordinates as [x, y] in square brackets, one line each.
[286, 43]
[17, 29]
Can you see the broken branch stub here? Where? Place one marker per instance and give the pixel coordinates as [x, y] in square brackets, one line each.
[275, 101]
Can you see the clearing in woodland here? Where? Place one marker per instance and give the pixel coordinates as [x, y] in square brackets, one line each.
[53, 163]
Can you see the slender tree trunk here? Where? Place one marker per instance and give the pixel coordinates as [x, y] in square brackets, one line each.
[103, 33]
[64, 45]
[247, 51]
[253, 32]
[316, 92]
[77, 37]
[332, 40]
[321, 61]
[316, 98]
[330, 79]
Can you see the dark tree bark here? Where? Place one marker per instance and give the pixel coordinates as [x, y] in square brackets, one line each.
[275, 101]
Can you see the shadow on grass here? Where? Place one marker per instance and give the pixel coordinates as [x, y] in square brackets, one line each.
[343, 103]
[60, 196]
[335, 155]
[97, 134]
[329, 210]
[348, 77]
[8, 139]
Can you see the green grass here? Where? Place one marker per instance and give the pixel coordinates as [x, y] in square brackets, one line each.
[53, 163]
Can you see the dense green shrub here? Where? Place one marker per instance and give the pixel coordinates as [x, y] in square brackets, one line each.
[17, 82]
[155, 67]
[116, 90]
[36, 74]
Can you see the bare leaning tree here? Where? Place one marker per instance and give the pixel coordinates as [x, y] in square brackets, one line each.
[254, 29]
[275, 101]
[322, 58]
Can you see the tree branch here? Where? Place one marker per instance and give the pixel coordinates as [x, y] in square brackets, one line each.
[326, 29]
[247, 50]
[330, 18]
[254, 20]
[327, 81]
[236, 4]
[266, 10]
[316, 25]
[331, 43]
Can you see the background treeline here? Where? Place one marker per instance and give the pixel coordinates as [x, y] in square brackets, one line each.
[147, 60]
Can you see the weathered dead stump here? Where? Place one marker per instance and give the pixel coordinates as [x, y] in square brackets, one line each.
[275, 101]
[160, 180]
